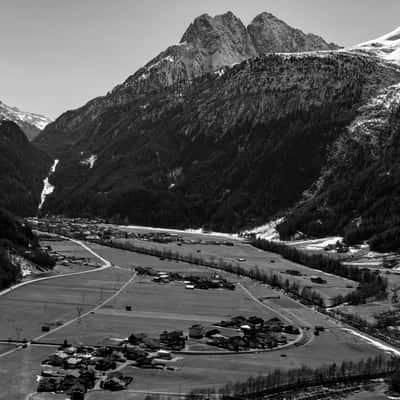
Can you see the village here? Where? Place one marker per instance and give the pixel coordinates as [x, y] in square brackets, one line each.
[75, 370]
[96, 229]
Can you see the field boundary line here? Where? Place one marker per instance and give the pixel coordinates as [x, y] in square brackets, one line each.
[117, 293]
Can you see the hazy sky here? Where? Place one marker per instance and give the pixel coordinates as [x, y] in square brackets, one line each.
[57, 54]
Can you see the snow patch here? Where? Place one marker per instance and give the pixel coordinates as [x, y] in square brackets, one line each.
[220, 72]
[16, 115]
[267, 231]
[200, 231]
[90, 161]
[317, 244]
[386, 47]
[375, 343]
[48, 188]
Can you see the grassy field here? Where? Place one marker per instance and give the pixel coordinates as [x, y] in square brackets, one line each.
[265, 261]
[18, 372]
[155, 308]
[24, 310]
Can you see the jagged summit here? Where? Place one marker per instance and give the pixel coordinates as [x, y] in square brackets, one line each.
[208, 44]
[271, 34]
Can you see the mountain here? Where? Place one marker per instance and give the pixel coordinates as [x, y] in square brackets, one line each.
[31, 124]
[22, 169]
[208, 44]
[271, 35]
[358, 194]
[215, 133]
[387, 47]
[228, 151]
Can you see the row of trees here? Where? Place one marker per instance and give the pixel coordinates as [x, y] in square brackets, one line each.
[278, 380]
[371, 284]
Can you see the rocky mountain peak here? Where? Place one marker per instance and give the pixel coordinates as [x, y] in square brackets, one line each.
[223, 37]
[270, 34]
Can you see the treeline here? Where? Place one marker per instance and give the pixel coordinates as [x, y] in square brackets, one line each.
[17, 238]
[380, 328]
[9, 273]
[279, 381]
[360, 196]
[371, 284]
[306, 295]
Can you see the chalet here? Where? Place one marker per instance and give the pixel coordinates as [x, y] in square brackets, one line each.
[196, 331]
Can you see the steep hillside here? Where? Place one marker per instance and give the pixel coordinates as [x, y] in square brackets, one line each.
[18, 244]
[208, 44]
[22, 169]
[227, 151]
[358, 194]
[31, 124]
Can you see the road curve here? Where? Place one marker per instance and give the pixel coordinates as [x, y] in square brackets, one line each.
[106, 264]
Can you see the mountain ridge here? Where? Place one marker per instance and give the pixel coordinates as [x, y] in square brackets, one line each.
[209, 43]
[32, 124]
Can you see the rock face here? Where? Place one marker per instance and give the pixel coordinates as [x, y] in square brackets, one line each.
[269, 34]
[31, 124]
[22, 169]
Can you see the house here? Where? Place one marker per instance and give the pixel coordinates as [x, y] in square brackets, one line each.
[196, 331]
[164, 354]
[77, 392]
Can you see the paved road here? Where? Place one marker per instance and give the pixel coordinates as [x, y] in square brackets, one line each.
[107, 264]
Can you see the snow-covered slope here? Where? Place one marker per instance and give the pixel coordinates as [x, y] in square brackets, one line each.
[31, 124]
[386, 47]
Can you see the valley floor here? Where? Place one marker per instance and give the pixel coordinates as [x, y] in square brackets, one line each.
[90, 308]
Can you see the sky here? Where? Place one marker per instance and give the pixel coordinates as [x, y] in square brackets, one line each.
[58, 54]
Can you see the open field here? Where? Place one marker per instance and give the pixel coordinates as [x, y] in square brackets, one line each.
[157, 307]
[265, 261]
[25, 310]
[19, 371]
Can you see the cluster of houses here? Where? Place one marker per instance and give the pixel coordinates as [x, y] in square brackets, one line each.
[215, 281]
[75, 370]
[244, 334]
[96, 229]
[67, 260]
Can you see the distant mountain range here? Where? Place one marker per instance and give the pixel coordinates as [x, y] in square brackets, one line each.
[31, 124]
[235, 126]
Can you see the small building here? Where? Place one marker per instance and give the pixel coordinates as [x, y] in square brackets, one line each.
[164, 354]
[78, 392]
[196, 331]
